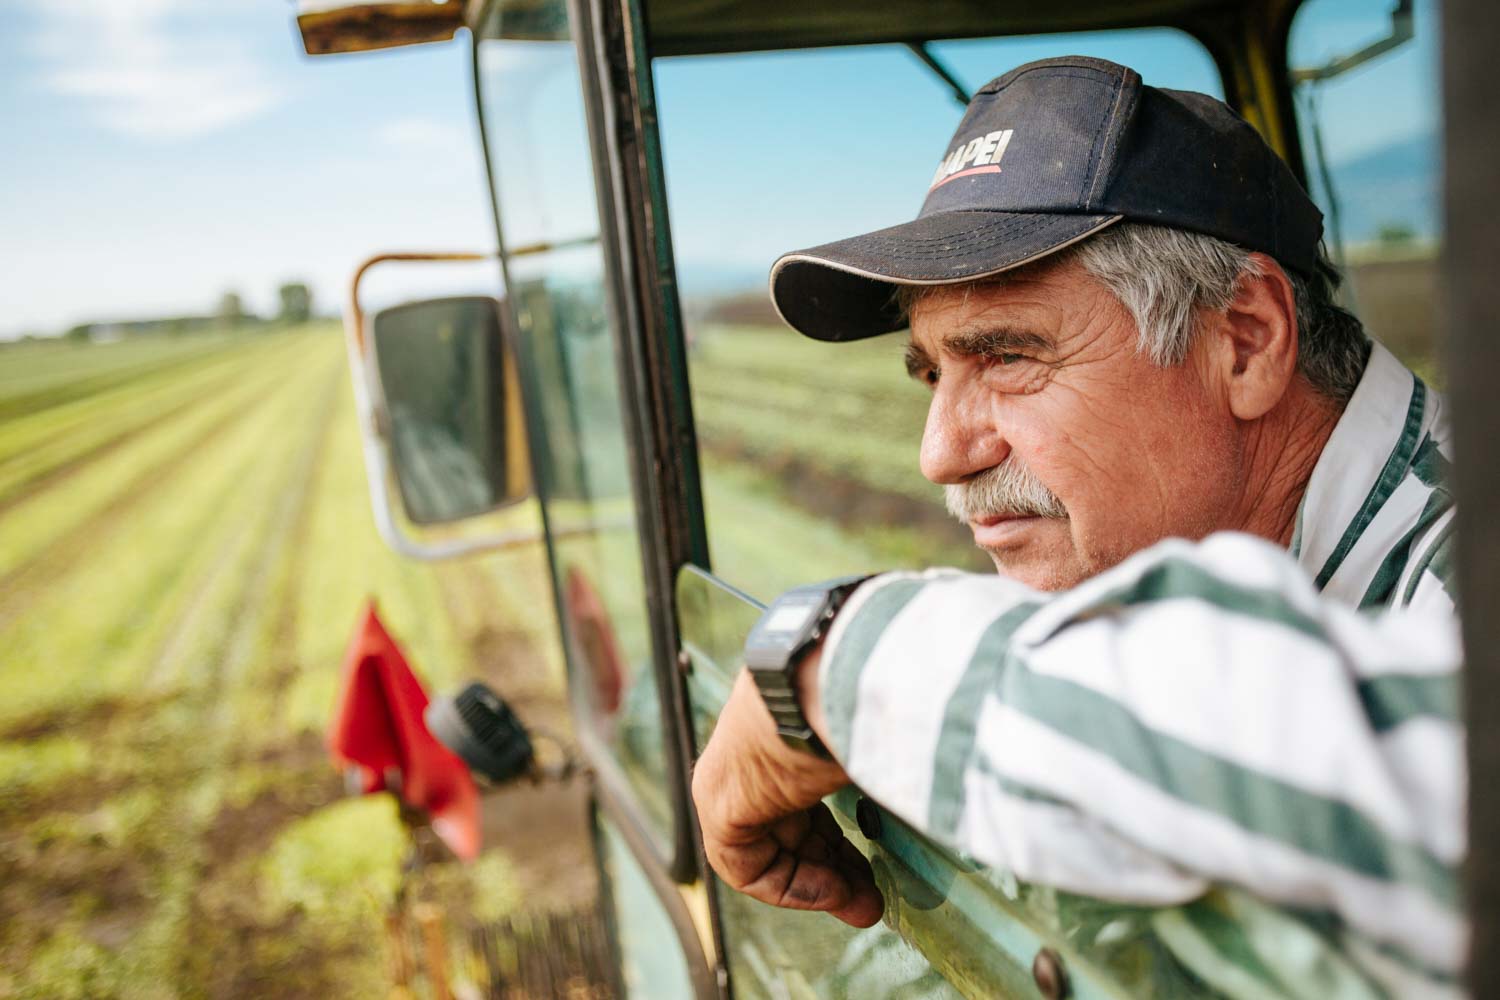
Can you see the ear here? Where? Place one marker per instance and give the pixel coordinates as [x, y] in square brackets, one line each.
[1256, 354]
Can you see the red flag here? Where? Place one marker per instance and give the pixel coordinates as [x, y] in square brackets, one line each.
[377, 727]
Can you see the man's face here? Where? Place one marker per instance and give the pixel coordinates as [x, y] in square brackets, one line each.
[1038, 379]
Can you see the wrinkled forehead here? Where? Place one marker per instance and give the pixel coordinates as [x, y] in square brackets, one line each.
[1044, 286]
[983, 293]
[1056, 306]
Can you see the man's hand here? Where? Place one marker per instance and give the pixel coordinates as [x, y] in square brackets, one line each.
[765, 829]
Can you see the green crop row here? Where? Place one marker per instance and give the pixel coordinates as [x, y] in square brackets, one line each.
[787, 403]
[48, 357]
[34, 391]
[27, 367]
[106, 631]
[170, 624]
[896, 414]
[872, 366]
[42, 444]
[94, 494]
[780, 441]
[37, 425]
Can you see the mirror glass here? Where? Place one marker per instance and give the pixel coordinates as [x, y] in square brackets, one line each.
[453, 420]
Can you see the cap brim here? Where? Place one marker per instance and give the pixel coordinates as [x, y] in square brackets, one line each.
[844, 290]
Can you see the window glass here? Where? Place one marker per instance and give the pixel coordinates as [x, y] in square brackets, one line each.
[649, 966]
[1371, 135]
[809, 450]
[538, 143]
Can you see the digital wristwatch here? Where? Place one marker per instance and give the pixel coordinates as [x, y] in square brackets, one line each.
[793, 624]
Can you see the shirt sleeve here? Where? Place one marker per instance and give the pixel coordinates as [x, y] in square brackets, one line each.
[1196, 715]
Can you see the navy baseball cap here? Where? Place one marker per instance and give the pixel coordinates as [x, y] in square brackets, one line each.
[1047, 155]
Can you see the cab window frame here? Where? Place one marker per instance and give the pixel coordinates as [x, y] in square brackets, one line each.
[681, 862]
[612, 797]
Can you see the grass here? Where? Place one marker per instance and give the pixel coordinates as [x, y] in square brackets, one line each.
[49, 440]
[185, 547]
[810, 460]
[848, 408]
[186, 543]
[40, 375]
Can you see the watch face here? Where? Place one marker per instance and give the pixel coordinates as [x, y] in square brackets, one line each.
[789, 617]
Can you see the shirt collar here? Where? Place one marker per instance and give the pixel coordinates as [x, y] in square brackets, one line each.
[1364, 460]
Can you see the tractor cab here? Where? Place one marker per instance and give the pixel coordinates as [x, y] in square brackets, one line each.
[688, 457]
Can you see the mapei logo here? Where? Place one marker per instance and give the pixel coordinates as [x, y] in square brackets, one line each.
[983, 153]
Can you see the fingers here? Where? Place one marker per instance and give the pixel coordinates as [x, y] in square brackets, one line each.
[865, 905]
[796, 882]
[764, 830]
[803, 862]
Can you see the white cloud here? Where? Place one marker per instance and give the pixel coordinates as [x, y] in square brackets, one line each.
[427, 136]
[148, 73]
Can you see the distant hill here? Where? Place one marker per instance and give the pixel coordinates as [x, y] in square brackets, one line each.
[1393, 187]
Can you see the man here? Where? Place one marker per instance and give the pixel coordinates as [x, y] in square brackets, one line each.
[1222, 647]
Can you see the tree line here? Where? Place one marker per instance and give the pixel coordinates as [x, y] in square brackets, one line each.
[295, 305]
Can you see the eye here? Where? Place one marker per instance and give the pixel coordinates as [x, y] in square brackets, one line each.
[1015, 373]
[930, 377]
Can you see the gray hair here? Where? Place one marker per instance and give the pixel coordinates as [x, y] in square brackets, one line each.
[1164, 277]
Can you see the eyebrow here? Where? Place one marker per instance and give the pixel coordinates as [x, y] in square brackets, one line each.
[991, 342]
[917, 361]
[985, 343]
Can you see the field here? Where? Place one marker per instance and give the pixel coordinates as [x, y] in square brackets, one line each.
[810, 460]
[185, 545]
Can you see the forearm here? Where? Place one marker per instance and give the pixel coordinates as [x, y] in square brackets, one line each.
[1198, 706]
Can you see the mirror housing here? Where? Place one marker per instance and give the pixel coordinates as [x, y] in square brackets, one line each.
[438, 399]
[327, 29]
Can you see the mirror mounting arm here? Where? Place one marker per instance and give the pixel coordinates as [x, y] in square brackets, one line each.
[376, 429]
[942, 72]
[1403, 30]
[354, 326]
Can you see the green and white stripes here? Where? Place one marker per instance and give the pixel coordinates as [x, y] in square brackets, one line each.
[1378, 503]
[1214, 725]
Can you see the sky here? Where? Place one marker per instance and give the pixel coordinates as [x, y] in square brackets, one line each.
[776, 151]
[159, 153]
[822, 144]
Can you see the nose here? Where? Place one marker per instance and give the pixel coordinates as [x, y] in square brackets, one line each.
[959, 439]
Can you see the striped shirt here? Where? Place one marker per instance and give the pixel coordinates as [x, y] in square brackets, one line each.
[1218, 713]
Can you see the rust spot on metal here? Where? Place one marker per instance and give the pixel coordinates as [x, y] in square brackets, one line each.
[366, 26]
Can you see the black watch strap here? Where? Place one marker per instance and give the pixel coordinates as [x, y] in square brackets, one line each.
[793, 623]
[780, 696]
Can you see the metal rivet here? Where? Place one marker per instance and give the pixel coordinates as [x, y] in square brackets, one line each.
[867, 815]
[1051, 978]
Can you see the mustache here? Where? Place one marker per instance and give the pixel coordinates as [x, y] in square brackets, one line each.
[1006, 489]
